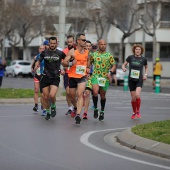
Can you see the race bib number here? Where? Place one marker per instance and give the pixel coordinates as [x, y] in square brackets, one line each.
[101, 81]
[38, 71]
[135, 74]
[81, 69]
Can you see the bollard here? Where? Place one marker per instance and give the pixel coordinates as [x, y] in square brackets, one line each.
[157, 85]
[125, 83]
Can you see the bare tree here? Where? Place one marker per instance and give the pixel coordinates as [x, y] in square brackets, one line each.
[122, 14]
[151, 21]
[25, 26]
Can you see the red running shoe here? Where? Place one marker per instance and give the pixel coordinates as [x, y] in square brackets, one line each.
[138, 115]
[133, 116]
[73, 113]
[85, 116]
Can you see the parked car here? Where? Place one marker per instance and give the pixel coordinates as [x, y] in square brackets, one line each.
[19, 67]
[120, 74]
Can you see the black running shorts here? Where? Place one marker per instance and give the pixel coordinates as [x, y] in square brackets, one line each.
[134, 84]
[73, 82]
[46, 81]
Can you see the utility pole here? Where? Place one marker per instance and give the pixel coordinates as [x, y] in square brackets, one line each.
[144, 20]
[3, 42]
[62, 18]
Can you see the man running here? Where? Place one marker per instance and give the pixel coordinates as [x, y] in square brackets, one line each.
[70, 43]
[77, 74]
[51, 75]
[102, 62]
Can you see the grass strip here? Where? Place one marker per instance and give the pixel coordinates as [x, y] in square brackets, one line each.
[157, 131]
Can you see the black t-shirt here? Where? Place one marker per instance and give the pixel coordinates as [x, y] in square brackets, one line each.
[52, 62]
[136, 67]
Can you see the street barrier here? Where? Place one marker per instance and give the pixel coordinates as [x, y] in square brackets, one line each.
[125, 83]
[157, 85]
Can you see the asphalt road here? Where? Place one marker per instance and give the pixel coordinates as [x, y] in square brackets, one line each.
[29, 142]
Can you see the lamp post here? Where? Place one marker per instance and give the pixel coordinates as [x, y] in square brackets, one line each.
[62, 17]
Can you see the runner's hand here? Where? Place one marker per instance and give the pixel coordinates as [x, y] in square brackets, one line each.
[62, 72]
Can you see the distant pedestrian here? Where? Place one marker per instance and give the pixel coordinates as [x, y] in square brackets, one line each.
[135, 78]
[2, 70]
[157, 70]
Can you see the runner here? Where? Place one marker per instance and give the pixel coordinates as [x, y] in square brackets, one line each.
[135, 79]
[37, 78]
[77, 75]
[102, 62]
[51, 75]
[88, 89]
[70, 43]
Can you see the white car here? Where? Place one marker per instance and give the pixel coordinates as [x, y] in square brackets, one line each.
[19, 67]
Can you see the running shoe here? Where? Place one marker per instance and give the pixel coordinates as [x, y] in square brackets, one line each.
[77, 119]
[47, 117]
[43, 113]
[133, 116]
[85, 116]
[53, 111]
[138, 115]
[101, 116]
[73, 113]
[68, 112]
[95, 115]
[35, 109]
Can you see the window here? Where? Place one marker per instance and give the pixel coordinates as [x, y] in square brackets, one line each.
[165, 52]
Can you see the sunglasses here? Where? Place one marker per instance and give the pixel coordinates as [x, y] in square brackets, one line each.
[84, 40]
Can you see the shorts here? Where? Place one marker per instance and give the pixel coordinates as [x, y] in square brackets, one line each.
[89, 84]
[154, 76]
[73, 82]
[46, 81]
[66, 80]
[134, 84]
[95, 81]
[37, 78]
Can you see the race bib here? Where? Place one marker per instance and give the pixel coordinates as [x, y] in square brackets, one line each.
[38, 71]
[134, 74]
[81, 69]
[101, 81]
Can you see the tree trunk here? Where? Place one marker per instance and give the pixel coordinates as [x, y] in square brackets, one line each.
[154, 55]
[15, 53]
[121, 50]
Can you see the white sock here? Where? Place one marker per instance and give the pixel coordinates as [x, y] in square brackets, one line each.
[70, 108]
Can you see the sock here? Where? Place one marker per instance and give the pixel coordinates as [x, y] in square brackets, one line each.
[36, 105]
[75, 108]
[48, 111]
[95, 100]
[102, 102]
[70, 108]
[138, 102]
[53, 105]
[133, 106]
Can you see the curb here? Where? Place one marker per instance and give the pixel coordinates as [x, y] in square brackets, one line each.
[26, 100]
[133, 141]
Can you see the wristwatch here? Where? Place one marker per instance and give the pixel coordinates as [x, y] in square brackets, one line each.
[146, 75]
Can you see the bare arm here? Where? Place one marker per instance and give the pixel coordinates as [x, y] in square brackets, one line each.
[146, 73]
[66, 61]
[124, 66]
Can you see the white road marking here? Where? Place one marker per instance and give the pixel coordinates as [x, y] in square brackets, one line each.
[84, 139]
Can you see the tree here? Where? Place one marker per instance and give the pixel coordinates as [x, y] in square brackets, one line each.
[25, 25]
[122, 14]
[151, 21]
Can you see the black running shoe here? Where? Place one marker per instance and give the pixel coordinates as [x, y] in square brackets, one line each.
[68, 112]
[47, 117]
[77, 119]
[53, 111]
[95, 113]
[35, 109]
[101, 116]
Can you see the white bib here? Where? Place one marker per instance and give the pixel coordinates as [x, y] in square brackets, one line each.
[81, 69]
[101, 81]
[134, 74]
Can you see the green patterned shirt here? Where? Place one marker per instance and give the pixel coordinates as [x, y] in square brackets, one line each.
[102, 63]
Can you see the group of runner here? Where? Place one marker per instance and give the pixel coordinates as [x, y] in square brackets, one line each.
[86, 70]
